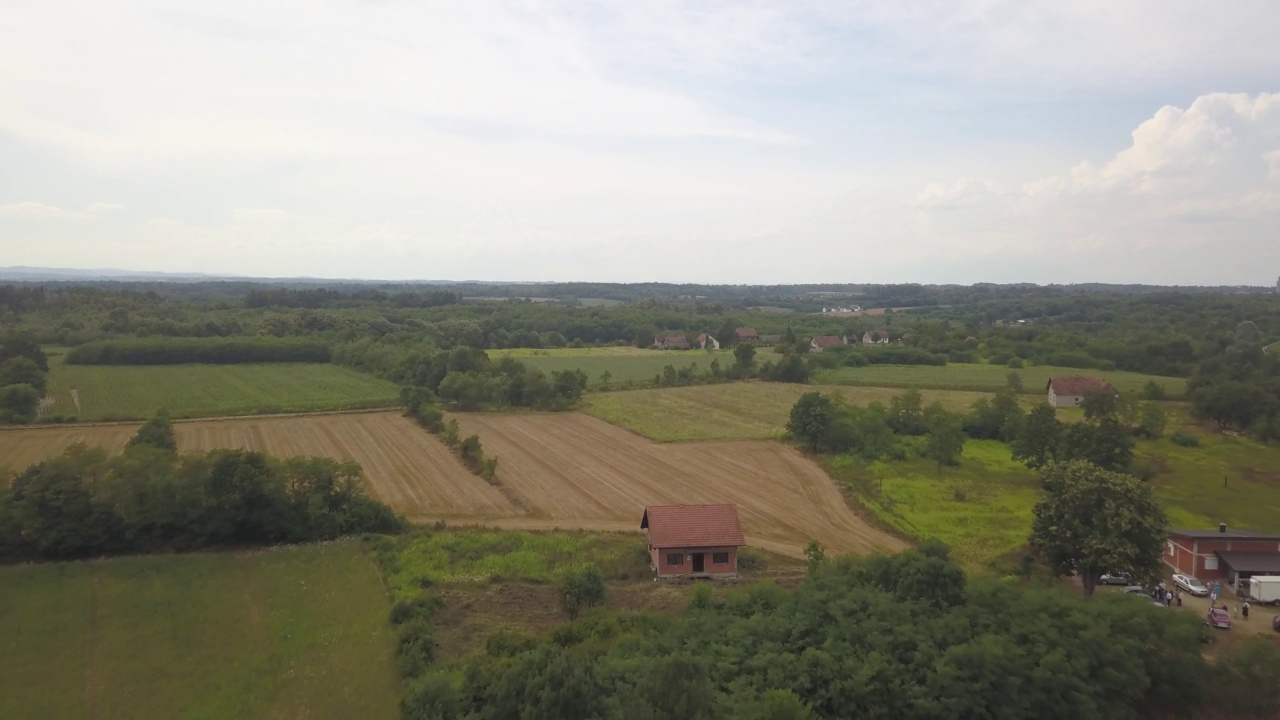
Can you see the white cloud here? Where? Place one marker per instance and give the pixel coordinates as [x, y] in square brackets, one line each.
[29, 209]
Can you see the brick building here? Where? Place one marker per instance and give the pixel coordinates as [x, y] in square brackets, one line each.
[1222, 554]
[693, 540]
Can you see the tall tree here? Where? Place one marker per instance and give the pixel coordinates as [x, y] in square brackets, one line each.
[1037, 444]
[1092, 521]
[906, 413]
[157, 433]
[946, 437]
[744, 356]
[811, 419]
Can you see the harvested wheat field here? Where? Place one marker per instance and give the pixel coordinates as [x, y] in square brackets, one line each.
[406, 467]
[578, 471]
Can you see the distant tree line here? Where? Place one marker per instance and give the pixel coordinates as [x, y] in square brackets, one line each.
[86, 503]
[1240, 389]
[220, 351]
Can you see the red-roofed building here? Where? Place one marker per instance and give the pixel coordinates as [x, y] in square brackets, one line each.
[1069, 391]
[693, 540]
[822, 342]
[746, 334]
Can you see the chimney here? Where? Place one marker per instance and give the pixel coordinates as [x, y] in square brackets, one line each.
[1222, 527]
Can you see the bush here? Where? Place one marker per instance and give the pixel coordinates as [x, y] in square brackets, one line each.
[1184, 439]
[415, 648]
[1016, 363]
[581, 589]
[749, 559]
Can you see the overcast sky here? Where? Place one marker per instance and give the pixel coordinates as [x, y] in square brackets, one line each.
[638, 140]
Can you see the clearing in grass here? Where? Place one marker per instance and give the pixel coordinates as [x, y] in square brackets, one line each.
[985, 378]
[133, 392]
[288, 632]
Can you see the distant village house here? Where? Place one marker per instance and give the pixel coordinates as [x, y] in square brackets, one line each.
[1070, 390]
[706, 342]
[746, 334]
[875, 337]
[693, 540]
[671, 342]
[822, 342]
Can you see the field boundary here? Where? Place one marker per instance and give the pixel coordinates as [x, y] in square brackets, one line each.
[211, 418]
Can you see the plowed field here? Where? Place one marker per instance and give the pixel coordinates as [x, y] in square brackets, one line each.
[407, 468]
[578, 471]
[570, 469]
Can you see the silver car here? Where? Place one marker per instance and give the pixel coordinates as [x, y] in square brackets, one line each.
[1190, 584]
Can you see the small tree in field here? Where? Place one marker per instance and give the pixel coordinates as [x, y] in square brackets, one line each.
[581, 589]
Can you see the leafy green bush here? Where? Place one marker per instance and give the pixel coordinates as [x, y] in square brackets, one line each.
[1184, 439]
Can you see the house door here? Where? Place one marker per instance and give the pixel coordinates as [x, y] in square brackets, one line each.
[698, 562]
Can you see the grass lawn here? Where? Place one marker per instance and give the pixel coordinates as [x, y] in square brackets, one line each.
[1227, 479]
[624, 364]
[982, 509]
[732, 411]
[131, 392]
[290, 632]
[988, 378]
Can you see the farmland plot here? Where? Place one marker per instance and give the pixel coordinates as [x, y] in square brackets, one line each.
[578, 471]
[406, 467]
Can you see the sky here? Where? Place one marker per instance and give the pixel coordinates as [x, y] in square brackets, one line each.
[704, 141]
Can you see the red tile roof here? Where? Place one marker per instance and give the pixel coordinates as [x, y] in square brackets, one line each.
[1076, 385]
[689, 526]
[826, 341]
[746, 333]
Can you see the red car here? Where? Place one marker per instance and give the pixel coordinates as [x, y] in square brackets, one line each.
[1218, 618]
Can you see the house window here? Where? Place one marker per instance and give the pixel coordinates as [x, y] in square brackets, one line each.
[720, 558]
[676, 559]
[1169, 545]
[1210, 562]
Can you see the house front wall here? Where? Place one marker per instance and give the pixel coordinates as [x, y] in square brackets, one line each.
[1197, 557]
[1063, 401]
[662, 558]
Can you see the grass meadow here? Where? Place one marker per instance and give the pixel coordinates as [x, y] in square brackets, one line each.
[624, 364]
[984, 378]
[132, 392]
[290, 632]
[464, 556]
[983, 508]
[733, 411]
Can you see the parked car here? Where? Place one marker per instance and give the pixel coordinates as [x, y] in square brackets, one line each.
[1135, 590]
[1119, 578]
[1191, 585]
[1275, 623]
[1218, 618]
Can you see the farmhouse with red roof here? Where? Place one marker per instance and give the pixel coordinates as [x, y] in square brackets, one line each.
[822, 342]
[746, 334]
[693, 540]
[1070, 390]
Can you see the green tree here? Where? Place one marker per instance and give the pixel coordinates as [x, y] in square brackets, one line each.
[157, 433]
[789, 337]
[744, 357]
[18, 404]
[811, 419]
[1106, 443]
[790, 369]
[679, 688]
[775, 705]
[580, 589]
[906, 413]
[815, 554]
[605, 378]
[1013, 381]
[1093, 521]
[1098, 404]
[1037, 444]
[22, 370]
[946, 438]
[1154, 421]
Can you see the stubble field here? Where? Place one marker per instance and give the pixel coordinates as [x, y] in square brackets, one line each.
[570, 470]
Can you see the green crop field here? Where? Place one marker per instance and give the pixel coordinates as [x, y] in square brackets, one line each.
[962, 376]
[292, 632]
[624, 364]
[733, 411]
[129, 392]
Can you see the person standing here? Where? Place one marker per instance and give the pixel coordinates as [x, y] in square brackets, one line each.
[1178, 594]
[1244, 611]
